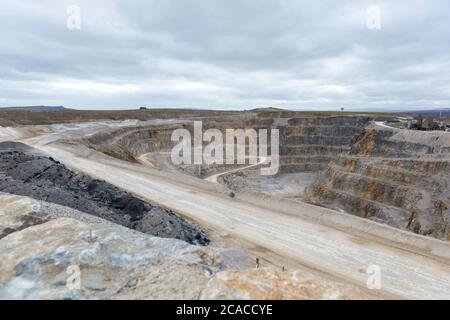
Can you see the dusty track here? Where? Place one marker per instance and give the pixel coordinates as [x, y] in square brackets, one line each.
[214, 177]
[342, 254]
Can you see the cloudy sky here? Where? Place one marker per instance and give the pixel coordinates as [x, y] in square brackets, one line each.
[226, 54]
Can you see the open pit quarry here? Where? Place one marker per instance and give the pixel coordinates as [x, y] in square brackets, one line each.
[101, 193]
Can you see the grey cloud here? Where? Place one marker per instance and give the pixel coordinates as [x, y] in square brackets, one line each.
[225, 54]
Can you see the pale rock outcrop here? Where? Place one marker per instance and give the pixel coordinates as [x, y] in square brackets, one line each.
[15, 213]
[41, 262]
[272, 284]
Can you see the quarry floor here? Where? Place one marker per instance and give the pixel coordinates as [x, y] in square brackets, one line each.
[273, 231]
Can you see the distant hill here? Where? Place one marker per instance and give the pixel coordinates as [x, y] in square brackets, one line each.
[430, 113]
[34, 108]
[268, 109]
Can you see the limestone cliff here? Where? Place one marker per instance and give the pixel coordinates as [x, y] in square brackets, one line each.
[399, 177]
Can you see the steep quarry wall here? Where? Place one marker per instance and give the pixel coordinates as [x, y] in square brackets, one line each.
[129, 143]
[133, 142]
[399, 177]
[310, 143]
[306, 143]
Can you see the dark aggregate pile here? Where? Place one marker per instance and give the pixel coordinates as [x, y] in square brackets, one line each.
[24, 171]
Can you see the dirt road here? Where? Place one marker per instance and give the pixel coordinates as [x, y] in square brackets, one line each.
[214, 177]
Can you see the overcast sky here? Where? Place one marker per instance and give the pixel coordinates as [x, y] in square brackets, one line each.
[226, 54]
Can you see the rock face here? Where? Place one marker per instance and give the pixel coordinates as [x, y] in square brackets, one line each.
[129, 143]
[23, 171]
[15, 214]
[399, 177]
[306, 143]
[41, 259]
[310, 143]
[44, 262]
